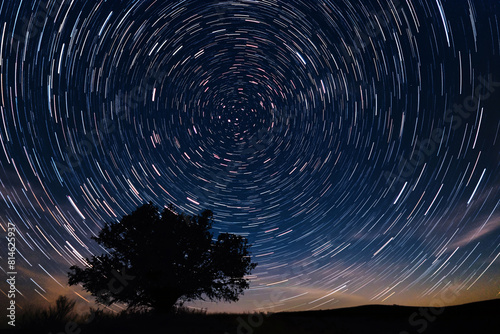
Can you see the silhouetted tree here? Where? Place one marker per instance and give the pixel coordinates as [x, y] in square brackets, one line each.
[156, 259]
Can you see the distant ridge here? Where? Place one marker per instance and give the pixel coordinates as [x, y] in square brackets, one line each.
[477, 317]
[492, 305]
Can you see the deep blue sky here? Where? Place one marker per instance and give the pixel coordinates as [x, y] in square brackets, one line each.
[355, 143]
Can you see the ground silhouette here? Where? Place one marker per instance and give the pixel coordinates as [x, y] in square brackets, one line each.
[157, 259]
[479, 317]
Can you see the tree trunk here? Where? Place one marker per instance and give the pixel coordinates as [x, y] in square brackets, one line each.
[165, 303]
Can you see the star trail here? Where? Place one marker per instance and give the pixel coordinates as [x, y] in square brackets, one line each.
[354, 143]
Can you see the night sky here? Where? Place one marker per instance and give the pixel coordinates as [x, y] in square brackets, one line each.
[356, 144]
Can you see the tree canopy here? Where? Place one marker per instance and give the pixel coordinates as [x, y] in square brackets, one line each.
[158, 258]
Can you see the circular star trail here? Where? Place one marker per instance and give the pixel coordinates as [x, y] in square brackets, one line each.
[354, 143]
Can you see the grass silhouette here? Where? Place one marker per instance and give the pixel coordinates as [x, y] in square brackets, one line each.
[52, 317]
